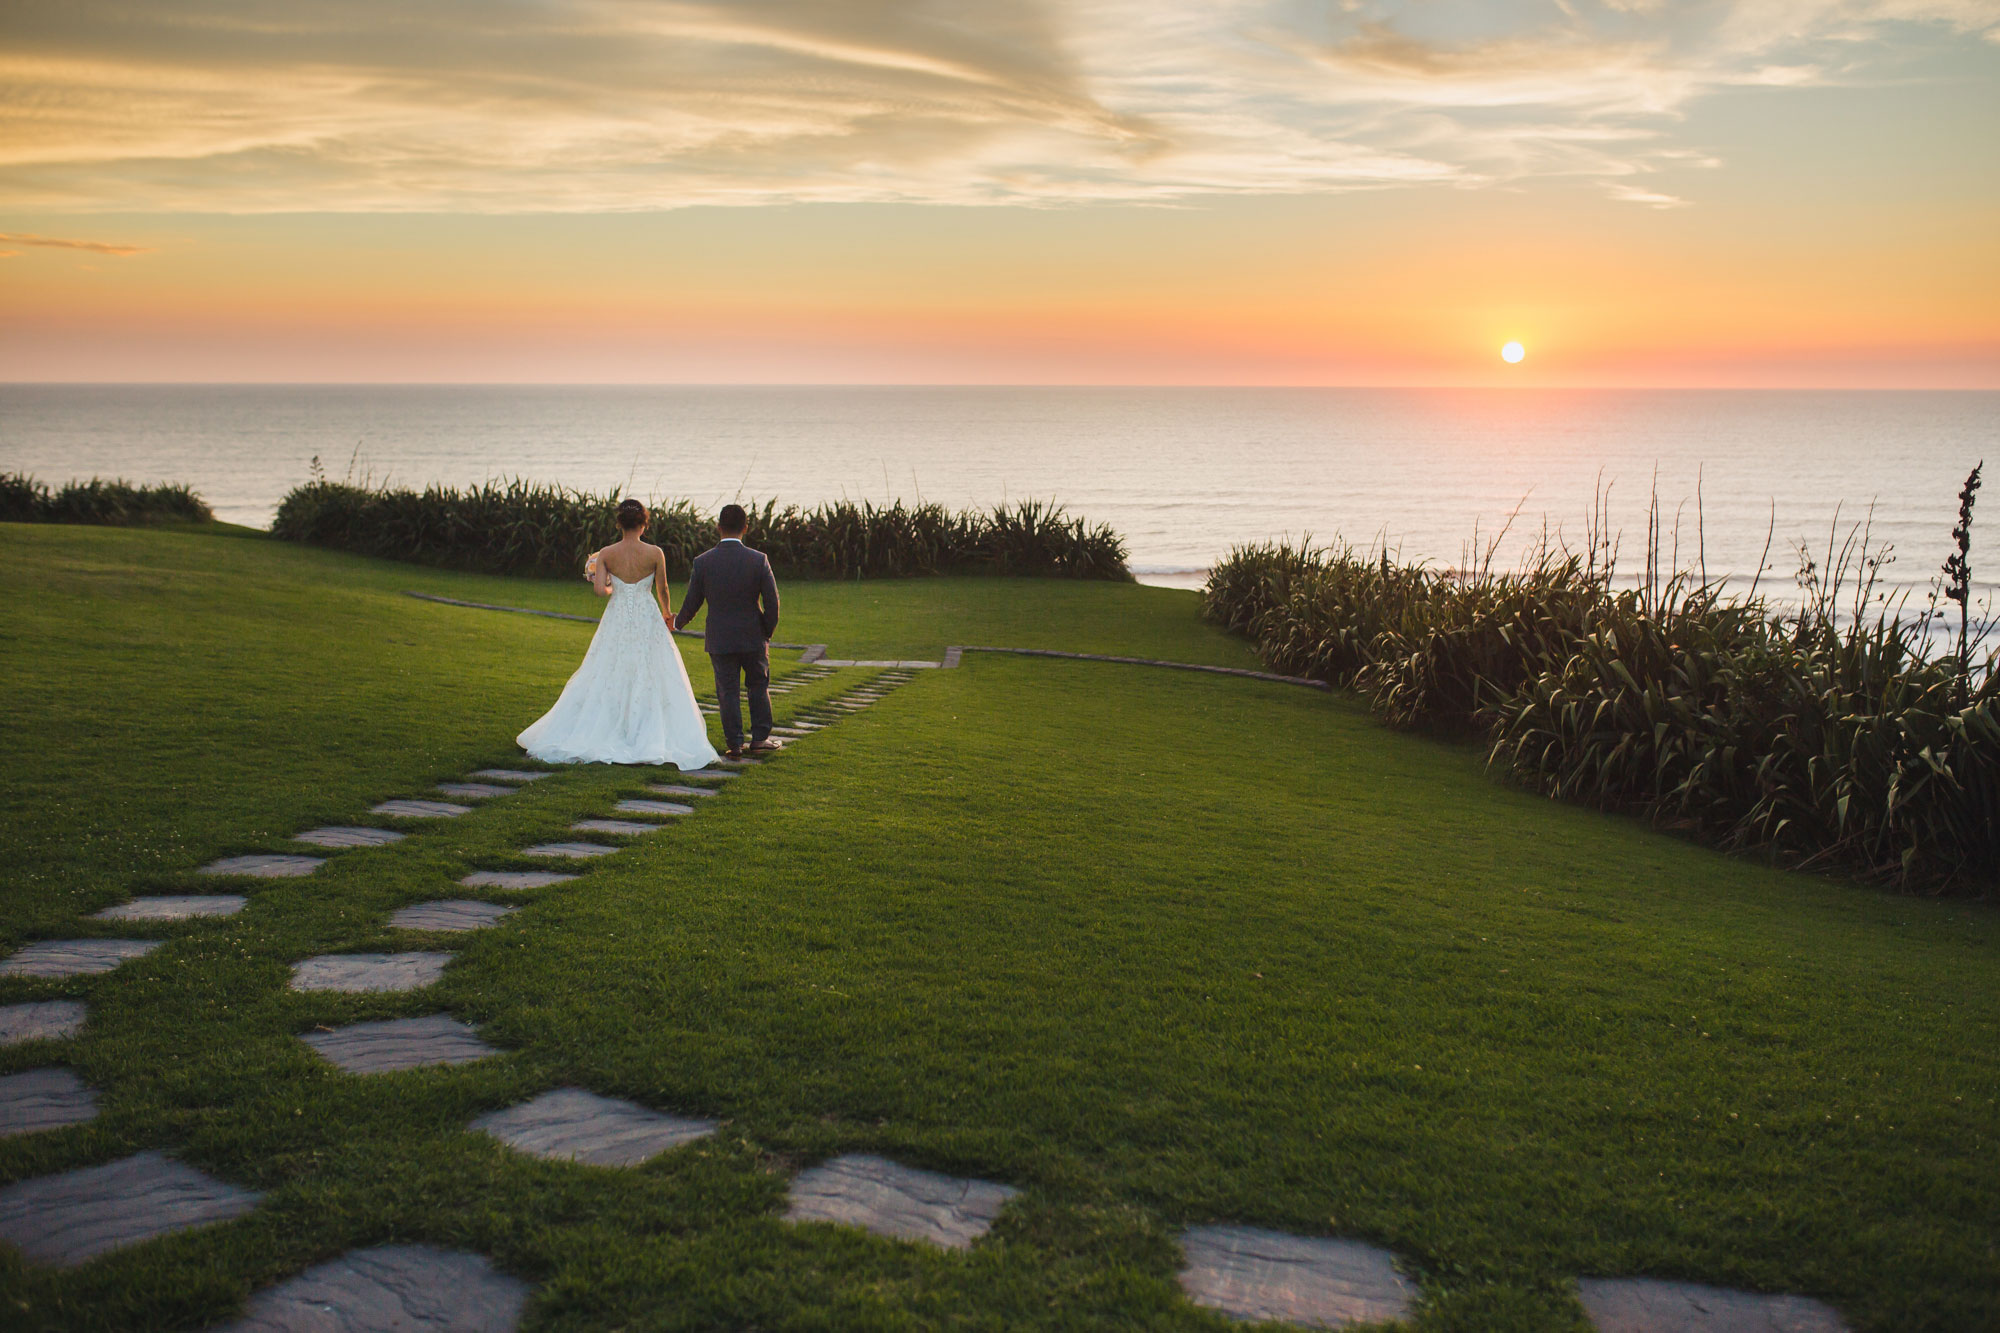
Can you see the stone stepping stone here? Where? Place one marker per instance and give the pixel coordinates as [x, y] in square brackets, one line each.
[572, 1125]
[41, 1020]
[514, 774]
[1648, 1305]
[705, 774]
[369, 972]
[67, 1219]
[474, 791]
[514, 879]
[397, 1044]
[176, 907]
[454, 915]
[421, 809]
[623, 827]
[44, 1099]
[263, 866]
[652, 808]
[899, 1202]
[388, 1289]
[669, 789]
[575, 851]
[796, 733]
[74, 958]
[727, 765]
[1252, 1274]
[350, 835]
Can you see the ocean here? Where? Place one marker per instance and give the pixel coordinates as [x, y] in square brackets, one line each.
[1183, 474]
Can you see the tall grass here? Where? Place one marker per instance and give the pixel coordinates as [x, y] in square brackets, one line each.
[114, 503]
[1832, 734]
[520, 527]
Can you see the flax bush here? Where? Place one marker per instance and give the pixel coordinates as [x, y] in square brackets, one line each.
[113, 503]
[1823, 739]
[519, 527]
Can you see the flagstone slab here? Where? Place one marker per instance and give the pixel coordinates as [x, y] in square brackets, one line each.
[453, 915]
[670, 789]
[475, 791]
[575, 851]
[652, 808]
[64, 1220]
[1649, 1305]
[795, 733]
[573, 1125]
[421, 809]
[369, 972]
[514, 879]
[44, 1099]
[1253, 1274]
[41, 1020]
[899, 1202]
[174, 907]
[390, 1289]
[628, 828]
[396, 1044]
[705, 774]
[514, 774]
[263, 866]
[74, 958]
[349, 835]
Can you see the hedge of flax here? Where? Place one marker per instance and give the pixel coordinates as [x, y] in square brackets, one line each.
[117, 503]
[519, 527]
[1825, 739]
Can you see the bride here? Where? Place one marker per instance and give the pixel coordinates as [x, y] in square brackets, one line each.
[630, 701]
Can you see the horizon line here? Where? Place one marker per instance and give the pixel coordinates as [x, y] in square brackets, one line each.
[971, 384]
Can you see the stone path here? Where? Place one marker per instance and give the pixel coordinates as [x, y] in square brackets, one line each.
[41, 1020]
[652, 808]
[400, 1043]
[390, 1289]
[1648, 1305]
[626, 828]
[344, 836]
[475, 791]
[421, 809]
[575, 851]
[364, 973]
[454, 915]
[44, 1099]
[176, 907]
[514, 879]
[1252, 1274]
[73, 958]
[263, 866]
[514, 774]
[676, 789]
[899, 1202]
[572, 1125]
[65, 1219]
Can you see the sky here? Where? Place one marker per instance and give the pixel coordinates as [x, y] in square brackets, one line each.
[1641, 192]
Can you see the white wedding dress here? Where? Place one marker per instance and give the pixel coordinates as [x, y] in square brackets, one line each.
[630, 702]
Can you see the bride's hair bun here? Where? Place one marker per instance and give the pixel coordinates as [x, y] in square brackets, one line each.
[631, 515]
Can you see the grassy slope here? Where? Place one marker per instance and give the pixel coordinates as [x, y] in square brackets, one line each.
[1157, 948]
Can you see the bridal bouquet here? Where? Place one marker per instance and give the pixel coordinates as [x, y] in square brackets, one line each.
[590, 568]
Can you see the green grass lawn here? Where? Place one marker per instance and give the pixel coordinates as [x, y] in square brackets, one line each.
[1156, 948]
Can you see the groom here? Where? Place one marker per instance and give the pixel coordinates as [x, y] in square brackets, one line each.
[742, 599]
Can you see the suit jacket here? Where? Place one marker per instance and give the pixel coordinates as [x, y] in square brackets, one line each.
[742, 596]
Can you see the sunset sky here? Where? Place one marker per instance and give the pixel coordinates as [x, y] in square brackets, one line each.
[1765, 192]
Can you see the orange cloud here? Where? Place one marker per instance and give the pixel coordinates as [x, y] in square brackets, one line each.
[66, 243]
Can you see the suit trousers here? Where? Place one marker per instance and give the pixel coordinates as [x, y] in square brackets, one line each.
[755, 671]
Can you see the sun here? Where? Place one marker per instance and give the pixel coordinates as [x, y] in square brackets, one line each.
[1512, 352]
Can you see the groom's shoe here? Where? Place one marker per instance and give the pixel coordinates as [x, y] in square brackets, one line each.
[735, 752]
[766, 745]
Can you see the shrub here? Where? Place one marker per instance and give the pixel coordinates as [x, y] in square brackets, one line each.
[114, 503]
[519, 527]
[1825, 739]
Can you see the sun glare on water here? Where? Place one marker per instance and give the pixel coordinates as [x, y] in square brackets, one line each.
[1512, 352]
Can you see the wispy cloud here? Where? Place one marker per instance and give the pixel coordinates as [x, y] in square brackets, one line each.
[66, 243]
[586, 105]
